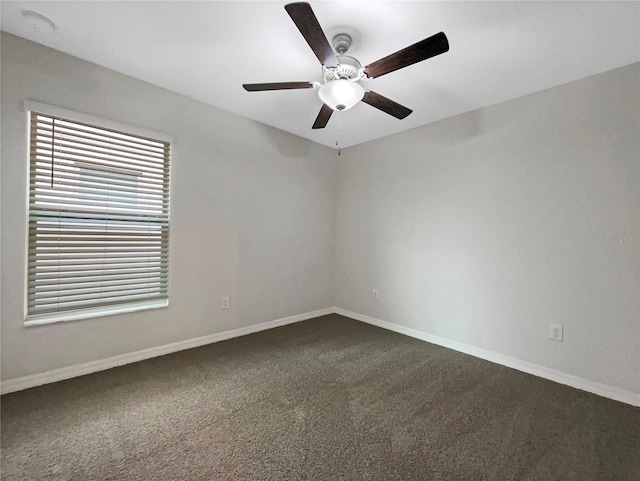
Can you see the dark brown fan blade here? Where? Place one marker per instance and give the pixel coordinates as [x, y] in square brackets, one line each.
[386, 105]
[427, 48]
[306, 21]
[277, 86]
[323, 117]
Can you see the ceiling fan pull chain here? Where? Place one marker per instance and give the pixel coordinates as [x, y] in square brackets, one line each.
[339, 133]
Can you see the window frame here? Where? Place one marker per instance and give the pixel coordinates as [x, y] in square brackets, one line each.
[30, 106]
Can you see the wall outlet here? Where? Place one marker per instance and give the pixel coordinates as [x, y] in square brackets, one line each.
[374, 294]
[555, 332]
[224, 302]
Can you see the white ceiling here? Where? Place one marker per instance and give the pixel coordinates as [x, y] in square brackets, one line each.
[206, 50]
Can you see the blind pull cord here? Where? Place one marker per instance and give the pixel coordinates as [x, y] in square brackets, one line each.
[339, 133]
[53, 147]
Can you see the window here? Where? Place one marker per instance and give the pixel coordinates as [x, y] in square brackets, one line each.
[98, 220]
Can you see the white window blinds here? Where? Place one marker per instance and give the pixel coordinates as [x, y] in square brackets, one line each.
[98, 217]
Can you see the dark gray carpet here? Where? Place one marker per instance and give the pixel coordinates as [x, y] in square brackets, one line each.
[325, 399]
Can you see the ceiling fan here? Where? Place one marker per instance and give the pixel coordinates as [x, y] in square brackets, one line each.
[341, 89]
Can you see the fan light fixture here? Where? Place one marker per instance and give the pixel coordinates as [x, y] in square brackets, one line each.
[341, 94]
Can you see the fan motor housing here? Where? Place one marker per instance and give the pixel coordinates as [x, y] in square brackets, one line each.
[348, 68]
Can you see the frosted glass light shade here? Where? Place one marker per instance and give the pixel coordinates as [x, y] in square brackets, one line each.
[341, 94]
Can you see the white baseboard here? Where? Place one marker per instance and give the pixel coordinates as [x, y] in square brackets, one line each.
[32, 380]
[603, 390]
[25, 382]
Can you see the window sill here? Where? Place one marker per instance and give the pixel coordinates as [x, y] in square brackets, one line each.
[42, 319]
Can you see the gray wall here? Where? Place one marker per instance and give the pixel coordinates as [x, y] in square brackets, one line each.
[252, 215]
[486, 227]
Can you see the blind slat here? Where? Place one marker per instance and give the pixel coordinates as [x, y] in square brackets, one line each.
[75, 215]
[47, 120]
[85, 301]
[74, 185]
[71, 306]
[96, 162]
[90, 276]
[76, 141]
[72, 170]
[74, 290]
